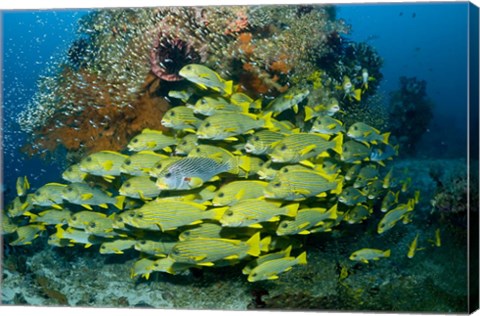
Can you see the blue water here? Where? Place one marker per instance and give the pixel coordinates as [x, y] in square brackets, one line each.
[428, 41]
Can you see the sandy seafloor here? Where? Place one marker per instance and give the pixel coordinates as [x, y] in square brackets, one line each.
[434, 280]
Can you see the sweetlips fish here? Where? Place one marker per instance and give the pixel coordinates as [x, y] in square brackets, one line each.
[152, 140]
[207, 251]
[74, 174]
[140, 163]
[267, 171]
[235, 191]
[287, 100]
[181, 118]
[393, 216]
[306, 219]
[103, 163]
[262, 142]
[212, 105]
[142, 267]
[164, 214]
[365, 176]
[22, 186]
[380, 155]
[139, 187]
[389, 200]
[252, 212]
[76, 236]
[184, 94]
[26, 234]
[284, 127]
[170, 266]
[327, 125]
[51, 194]
[267, 257]
[357, 214]
[103, 227]
[208, 230]
[50, 217]
[117, 246]
[161, 165]
[352, 172]
[270, 269]
[299, 185]
[365, 133]
[205, 77]
[387, 180]
[190, 172]
[328, 109]
[237, 163]
[86, 196]
[186, 144]
[351, 196]
[374, 189]
[302, 146]
[366, 78]
[413, 247]
[349, 89]
[155, 248]
[83, 218]
[366, 254]
[225, 126]
[241, 99]
[7, 225]
[355, 152]
[20, 205]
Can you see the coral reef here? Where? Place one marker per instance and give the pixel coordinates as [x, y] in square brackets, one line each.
[125, 60]
[410, 113]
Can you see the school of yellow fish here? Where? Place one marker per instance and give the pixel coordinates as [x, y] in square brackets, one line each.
[227, 184]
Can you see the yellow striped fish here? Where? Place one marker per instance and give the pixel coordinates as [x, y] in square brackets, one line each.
[140, 163]
[270, 269]
[262, 142]
[150, 139]
[181, 118]
[139, 187]
[306, 219]
[236, 191]
[206, 251]
[301, 146]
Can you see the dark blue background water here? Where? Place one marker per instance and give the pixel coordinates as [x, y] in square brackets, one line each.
[428, 41]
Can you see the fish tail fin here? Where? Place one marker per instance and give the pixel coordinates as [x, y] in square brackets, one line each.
[245, 107]
[338, 142]
[385, 137]
[357, 94]
[256, 105]
[33, 217]
[292, 209]
[265, 243]
[387, 253]
[119, 200]
[229, 87]
[217, 213]
[268, 121]
[333, 211]
[339, 187]
[254, 245]
[309, 113]
[302, 258]
[60, 231]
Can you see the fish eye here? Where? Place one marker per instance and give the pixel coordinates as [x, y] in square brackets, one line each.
[229, 213]
[131, 214]
[284, 225]
[119, 219]
[354, 255]
[207, 124]
[140, 215]
[355, 128]
[92, 225]
[103, 247]
[74, 218]
[37, 193]
[143, 242]
[256, 138]
[285, 170]
[184, 142]
[70, 169]
[135, 140]
[254, 274]
[127, 185]
[197, 150]
[345, 148]
[168, 175]
[277, 185]
[187, 233]
[69, 189]
[284, 147]
[221, 194]
[176, 251]
[172, 113]
[89, 159]
[128, 162]
[155, 264]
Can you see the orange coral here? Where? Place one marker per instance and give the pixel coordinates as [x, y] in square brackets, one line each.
[104, 126]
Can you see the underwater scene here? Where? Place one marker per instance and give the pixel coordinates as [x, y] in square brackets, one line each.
[279, 157]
